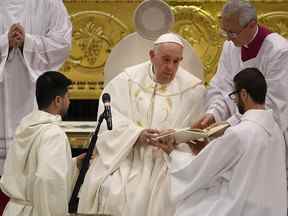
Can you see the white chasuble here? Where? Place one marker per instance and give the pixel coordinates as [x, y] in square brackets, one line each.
[128, 179]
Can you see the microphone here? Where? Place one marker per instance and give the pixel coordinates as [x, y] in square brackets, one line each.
[108, 116]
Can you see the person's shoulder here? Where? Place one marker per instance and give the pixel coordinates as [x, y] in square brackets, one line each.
[229, 45]
[187, 74]
[54, 2]
[186, 78]
[51, 4]
[134, 72]
[53, 130]
[138, 68]
[274, 42]
[123, 76]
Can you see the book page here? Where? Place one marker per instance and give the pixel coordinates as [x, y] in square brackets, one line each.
[187, 134]
[218, 128]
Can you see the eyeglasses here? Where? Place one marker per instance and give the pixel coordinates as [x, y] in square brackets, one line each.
[229, 34]
[233, 94]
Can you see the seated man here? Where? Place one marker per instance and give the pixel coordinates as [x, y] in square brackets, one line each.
[129, 175]
[241, 173]
[38, 169]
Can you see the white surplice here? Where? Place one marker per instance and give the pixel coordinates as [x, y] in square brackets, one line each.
[47, 40]
[271, 60]
[39, 172]
[128, 179]
[241, 173]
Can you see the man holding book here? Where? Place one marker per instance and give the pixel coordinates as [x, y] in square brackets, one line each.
[240, 173]
[248, 45]
[130, 175]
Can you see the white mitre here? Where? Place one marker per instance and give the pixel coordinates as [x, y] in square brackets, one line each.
[169, 38]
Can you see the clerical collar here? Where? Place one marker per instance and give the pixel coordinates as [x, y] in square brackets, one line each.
[251, 50]
[247, 45]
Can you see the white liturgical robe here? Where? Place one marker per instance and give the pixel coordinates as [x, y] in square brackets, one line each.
[271, 59]
[241, 173]
[46, 45]
[39, 172]
[128, 179]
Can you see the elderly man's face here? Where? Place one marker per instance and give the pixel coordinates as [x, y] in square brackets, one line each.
[166, 60]
[238, 35]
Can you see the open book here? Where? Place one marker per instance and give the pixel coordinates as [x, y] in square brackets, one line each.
[188, 134]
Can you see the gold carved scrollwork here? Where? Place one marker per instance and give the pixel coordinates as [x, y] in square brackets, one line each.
[96, 32]
[94, 35]
[200, 29]
[276, 21]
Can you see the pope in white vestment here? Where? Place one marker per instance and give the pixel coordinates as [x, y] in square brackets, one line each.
[128, 178]
[47, 38]
[240, 174]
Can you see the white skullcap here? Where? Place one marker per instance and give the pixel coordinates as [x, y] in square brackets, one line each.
[169, 38]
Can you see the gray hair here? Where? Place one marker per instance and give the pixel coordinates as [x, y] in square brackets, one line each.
[156, 48]
[241, 8]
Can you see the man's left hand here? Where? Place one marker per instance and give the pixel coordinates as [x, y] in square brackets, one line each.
[79, 160]
[167, 143]
[196, 145]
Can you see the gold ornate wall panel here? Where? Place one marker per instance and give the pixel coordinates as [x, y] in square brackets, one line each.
[99, 25]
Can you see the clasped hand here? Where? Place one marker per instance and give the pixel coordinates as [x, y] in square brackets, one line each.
[163, 139]
[16, 36]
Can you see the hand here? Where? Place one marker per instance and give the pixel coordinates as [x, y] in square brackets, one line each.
[148, 137]
[204, 122]
[79, 160]
[196, 145]
[19, 36]
[11, 35]
[167, 143]
[16, 36]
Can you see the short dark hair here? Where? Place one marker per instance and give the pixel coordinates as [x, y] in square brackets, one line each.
[254, 82]
[48, 86]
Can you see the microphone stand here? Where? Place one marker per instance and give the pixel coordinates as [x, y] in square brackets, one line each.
[74, 200]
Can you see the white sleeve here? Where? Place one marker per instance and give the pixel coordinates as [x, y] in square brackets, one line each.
[218, 102]
[277, 79]
[116, 144]
[48, 52]
[75, 172]
[50, 189]
[190, 173]
[4, 50]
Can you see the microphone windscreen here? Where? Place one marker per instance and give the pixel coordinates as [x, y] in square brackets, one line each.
[106, 98]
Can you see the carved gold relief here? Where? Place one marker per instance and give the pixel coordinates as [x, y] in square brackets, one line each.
[94, 35]
[97, 32]
[276, 21]
[200, 29]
